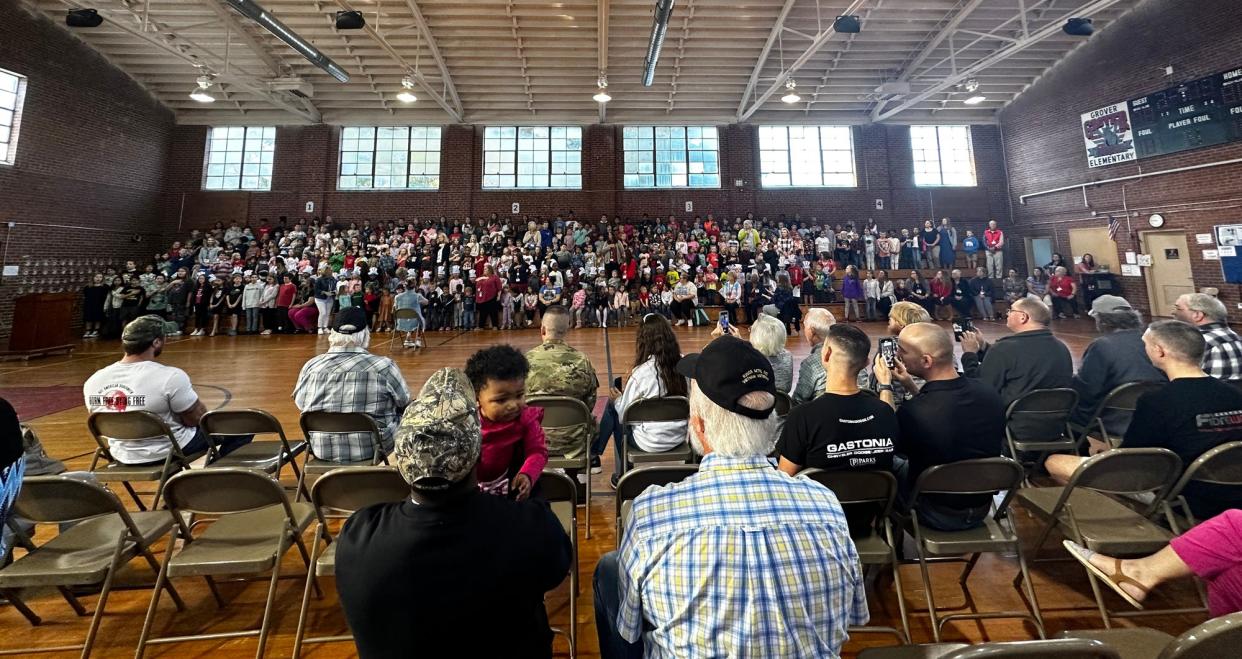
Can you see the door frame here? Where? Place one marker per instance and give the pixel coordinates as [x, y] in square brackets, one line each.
[1030, 253]
[1149, 280]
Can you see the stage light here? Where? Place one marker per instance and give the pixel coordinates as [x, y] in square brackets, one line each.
[83, 18]
[847, 25]
[406, 95]
[971, 85]
[1079, 27]
[350, 20]
[791, 94]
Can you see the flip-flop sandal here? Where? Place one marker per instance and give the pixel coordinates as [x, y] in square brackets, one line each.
[1114, 580]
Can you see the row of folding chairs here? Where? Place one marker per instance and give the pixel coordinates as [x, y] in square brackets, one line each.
[269, 456]
[250, 524]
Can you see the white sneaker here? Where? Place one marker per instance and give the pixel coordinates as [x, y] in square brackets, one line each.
[265, 332]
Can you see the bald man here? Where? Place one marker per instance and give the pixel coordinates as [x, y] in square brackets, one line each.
[951, 418]
[1030, 358]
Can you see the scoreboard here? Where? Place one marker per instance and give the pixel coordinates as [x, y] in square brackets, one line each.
[1194, 114]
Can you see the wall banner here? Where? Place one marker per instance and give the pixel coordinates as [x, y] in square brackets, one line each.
[1107, 135]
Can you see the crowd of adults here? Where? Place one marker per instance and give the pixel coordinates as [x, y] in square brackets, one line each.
[744, 546]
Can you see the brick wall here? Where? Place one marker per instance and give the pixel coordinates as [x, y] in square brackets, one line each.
[89, 165]
[306, 164]
[1044, 144]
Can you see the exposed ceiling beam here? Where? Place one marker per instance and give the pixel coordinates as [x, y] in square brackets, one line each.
[998, 56]
[820, 40]
[423, 29]
[417, 76]
[230, 18]
[681, 54]
[763, 54]
[944, 32]
[159, 36]
[517, 40]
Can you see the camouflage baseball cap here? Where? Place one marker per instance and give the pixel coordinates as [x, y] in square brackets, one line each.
[439, 439]
[143, 329]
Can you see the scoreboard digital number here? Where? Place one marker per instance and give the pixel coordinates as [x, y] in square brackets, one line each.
[1195, 114]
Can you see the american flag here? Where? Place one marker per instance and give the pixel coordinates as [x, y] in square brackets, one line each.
[1113, 225]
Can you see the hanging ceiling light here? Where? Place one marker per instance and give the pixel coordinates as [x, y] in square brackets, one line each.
[406, 95]
[971, 85]
[602, 96]
[791, 95]
[201, 92]
[975, 100]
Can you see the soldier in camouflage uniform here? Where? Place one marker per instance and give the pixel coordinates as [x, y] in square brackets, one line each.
[557, 369]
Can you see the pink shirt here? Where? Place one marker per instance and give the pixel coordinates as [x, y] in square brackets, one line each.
[501, 442]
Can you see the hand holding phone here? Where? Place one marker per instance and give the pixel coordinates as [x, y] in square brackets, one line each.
[888, 350]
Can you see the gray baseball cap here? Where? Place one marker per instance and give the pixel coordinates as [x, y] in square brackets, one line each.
[1108, 304]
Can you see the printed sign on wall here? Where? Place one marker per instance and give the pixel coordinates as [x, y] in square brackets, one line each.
[1108, 136]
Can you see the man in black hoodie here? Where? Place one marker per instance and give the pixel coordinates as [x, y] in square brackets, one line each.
[1029, 359]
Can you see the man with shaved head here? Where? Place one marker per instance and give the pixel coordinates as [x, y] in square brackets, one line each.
[950, 418]
[1030, 358]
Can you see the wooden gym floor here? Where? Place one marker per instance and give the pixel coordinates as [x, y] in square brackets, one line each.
[260, 372]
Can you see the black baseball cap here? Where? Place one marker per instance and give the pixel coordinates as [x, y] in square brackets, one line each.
[728, 369]
[350, 320]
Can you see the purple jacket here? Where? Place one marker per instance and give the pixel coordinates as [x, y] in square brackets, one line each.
[851, 288]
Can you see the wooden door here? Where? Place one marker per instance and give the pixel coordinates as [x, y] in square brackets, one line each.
[1093, 241]
[1169, 275]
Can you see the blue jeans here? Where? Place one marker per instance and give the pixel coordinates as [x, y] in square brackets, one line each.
[467, 319]
[609, 425]
[225, 443]
[933, 514]
[252, 319]
[607, 604]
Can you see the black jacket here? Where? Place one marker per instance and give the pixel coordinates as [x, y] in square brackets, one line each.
[1022, 362]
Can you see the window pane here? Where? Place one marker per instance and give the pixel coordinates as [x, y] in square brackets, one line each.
[942, 155]
[535, 157]
[239, 158]
[671, 153]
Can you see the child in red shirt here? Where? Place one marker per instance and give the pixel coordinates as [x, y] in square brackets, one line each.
[514, 448]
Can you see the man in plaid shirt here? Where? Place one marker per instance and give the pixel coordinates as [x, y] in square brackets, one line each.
[738, 560]
[1223, 357]
[347, 378]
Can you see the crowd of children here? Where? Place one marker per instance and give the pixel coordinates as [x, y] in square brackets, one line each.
[290, 276]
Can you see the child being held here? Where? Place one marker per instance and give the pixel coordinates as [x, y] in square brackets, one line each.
[514, 448]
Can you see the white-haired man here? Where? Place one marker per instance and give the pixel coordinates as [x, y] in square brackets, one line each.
[760, 551]
[1222, 358]
[811, 376]
[347, 378]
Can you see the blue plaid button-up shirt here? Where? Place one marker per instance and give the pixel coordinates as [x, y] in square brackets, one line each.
[739, 560]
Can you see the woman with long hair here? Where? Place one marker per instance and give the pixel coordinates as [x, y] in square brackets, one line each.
[787, 307]
[942, 292]
[654, 375]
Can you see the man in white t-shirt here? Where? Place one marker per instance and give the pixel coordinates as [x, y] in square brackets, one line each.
[138, 382]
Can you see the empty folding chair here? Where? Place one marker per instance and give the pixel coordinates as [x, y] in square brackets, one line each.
[653, 410]
[560, 491]
[985, 476]
[336, 495]
[1115, 412]
[104, 538]
[1218, 638]
[565, 412]
[1087, 512]
[1060, 648]
[867, 498]
[269, 455]
[1038, 422]
[335, 423]
[134, 425]
[252, 526]
[635, 481]
[1219, 467]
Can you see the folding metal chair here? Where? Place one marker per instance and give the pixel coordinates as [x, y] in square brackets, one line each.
[398, 316]
[1218, 638]
[783, 404]
[635, 481]
[870, 493]
[337, 423]
[1086, 511]
[560, 491]
[104, 538]
[653, 410]
[566, 412]
[253, 525]
[134, 425]
[1220, 466]
[1060, 648]
[1117, 406]
[985, 476]
[1038, 422]
[268, 456]
[336, 495]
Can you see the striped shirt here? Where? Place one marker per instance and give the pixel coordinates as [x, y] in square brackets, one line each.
[1223, 357]
[352, 380]
[739, 560]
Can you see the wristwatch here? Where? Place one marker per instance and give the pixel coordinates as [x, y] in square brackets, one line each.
[885, 387]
